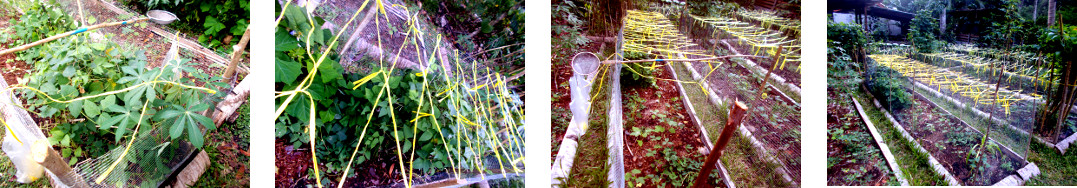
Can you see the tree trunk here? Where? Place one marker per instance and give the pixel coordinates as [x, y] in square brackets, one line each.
[1051, 8]
[1035, 10]
[942, 23]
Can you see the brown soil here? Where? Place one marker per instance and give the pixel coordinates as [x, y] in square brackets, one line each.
[841, 114]
[11, 68]
[382, 170]
[291, 163]
[684, 137]
[940, 134]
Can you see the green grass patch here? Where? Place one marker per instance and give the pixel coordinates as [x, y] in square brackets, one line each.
[745, 166]
[589, 167]
[1055, 168]
[712, 117]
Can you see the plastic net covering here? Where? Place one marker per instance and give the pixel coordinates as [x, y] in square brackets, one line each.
[972, 98]
[762, 41]
[1026, 74]
[1008, 55]
[890, 48]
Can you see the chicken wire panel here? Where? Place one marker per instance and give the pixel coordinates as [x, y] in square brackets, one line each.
[988, 106]
[101, 11]
[148, 163]
[651, 32]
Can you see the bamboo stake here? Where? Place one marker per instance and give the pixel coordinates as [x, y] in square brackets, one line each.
[697, 59]
[70, 33]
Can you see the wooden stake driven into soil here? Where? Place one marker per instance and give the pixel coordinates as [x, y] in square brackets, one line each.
[767, 76]
[52, 161]
[736, 114]
[237, 54]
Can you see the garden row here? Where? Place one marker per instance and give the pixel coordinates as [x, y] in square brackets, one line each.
[954, 140]
[656, 134]
[971, 81]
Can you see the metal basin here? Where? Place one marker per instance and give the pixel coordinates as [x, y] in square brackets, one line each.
[161, 17]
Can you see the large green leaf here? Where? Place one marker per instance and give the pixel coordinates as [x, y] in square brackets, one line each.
[75, 108]
[286, 71]
[177, 128]
[122, 120]
[212, 25]
[92, 110]
[285, 42]
[194, 135]
[187, 117]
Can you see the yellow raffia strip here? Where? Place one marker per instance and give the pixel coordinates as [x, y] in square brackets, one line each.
[365, 79]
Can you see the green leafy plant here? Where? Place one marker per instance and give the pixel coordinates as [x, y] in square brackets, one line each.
[424, 119]
[73, 67]
[95, 89]
[845, 42]
[217, 23]
[566, 28]
[888, 86]
[922, 31]
[638, 73]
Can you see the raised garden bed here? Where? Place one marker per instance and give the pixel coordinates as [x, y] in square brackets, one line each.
[662, 143]
[951, 140]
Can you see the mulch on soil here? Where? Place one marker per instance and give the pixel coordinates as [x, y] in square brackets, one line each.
[291, 162]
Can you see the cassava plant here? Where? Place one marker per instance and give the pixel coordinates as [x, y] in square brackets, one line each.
[100, 88]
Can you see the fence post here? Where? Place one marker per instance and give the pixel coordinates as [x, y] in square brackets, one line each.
[736, 113]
